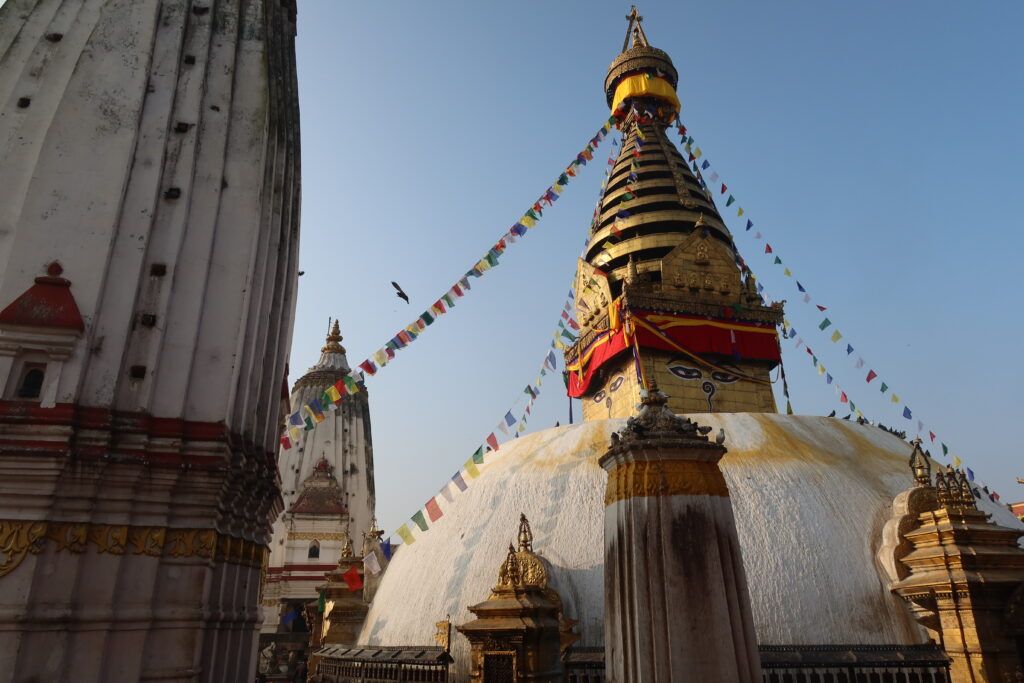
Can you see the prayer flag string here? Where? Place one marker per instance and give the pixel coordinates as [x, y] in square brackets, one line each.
[826, 325]
[308, 416]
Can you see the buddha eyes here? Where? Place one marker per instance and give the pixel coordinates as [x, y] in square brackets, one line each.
[683, 372]
[599, 396]
[616, 384]
[724, 377]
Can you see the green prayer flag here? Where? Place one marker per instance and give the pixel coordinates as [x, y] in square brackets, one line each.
[448, 300]
[309, 423]
[778, 261]
[945, 450]
[478, 456]
[427, 318]
[420, 521]
[321, 603]
[824, 323]
[730, 201]
[789, 408]
[884, 387]
[350, 384]
[852, 407]
[492, 259]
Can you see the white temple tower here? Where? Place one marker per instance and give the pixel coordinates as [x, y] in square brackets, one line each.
[327, 484]
[149, 227]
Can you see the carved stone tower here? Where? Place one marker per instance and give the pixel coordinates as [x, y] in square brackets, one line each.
[670, 541]
[660, 294]
[328, 487]
[961, 575]
[516, 635]
[149, 234]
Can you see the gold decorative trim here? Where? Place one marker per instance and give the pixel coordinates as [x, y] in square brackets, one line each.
[317, 536]
[20, 537]
[665, 478]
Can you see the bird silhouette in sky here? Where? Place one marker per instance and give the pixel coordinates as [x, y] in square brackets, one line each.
[400, 293]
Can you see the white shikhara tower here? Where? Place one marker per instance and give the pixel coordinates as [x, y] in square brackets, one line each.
[149, 229]
[327, 484]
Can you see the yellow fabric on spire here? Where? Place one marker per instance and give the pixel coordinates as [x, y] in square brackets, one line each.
[641, 86]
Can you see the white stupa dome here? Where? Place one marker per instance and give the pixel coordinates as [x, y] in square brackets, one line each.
[810, 494]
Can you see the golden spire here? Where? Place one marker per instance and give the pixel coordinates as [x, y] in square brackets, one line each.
[525, 534]
[634, 29]
[333, 344]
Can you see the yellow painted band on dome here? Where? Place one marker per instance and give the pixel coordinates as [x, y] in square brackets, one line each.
[665, 478]
[642, 86]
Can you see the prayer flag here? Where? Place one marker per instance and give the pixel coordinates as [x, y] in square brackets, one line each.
[750, 224]
[767, 248]
[800, 287]
[945, 450]
[807, 298]
[295, 419]
[730, 200]
[471, 469]
[956, 461]
[286, 443]
[352, 579]
[509, 419]
[434, 510]
[714, 176]
[371, 564]
[828, 378]
[884, 388]
[427, 317]
[895, 398]
[333, 394]
[824, 323]
[478, 456]
[836, 336]
[860, 363]
[920, 426]
[906, 412]
[420, 520]
[446, 491]
[871, 375]
[381, 356]
[842, 398]
[932, 436]
[368, 367]
[724, 188]
[406, 535]
[970, 473]
[739, 212]
[492, 441]
[704, 165]
[316, 410]
[849, 349]
[459, 481]
[787, 272]
[529, 390]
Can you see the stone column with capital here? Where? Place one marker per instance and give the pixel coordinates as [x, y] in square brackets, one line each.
[676, 600]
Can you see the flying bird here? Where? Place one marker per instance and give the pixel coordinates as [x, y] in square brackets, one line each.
[720, 437]
[399, 292]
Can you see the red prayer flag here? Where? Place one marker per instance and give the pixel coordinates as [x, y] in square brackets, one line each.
[434, 510]
[767, 248]
[573, 324]
[842, 398]
[286, 442]
[682, 130]
[932, 434]
[492, 441]
[457, 290]
[368, 367]
[352, 579]
[820, 307]
[439, 305]
[692, 158]
[340, 386]
[724, 188]
[871, 375]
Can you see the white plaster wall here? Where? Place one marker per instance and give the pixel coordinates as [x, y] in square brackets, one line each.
[810, 495]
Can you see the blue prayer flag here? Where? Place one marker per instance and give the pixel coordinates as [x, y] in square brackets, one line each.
[906, 412]
[970, 473]
[800, 286]
[705, 164]
[849, 349]
[750, 224]
[509, 419]
[385, 548]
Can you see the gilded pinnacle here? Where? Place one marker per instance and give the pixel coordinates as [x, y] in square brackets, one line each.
[334, 338]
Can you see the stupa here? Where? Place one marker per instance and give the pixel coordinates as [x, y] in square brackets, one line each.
[663, 298]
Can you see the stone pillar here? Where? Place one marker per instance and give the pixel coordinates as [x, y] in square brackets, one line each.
[961, 574]
[676, 600]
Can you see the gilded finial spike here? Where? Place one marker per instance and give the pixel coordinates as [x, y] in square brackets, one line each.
[334, 338]
[919, 465]
[525, 534]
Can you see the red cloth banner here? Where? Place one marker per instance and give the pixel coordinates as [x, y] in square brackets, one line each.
[696, 335]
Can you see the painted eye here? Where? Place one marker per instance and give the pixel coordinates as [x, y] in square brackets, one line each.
[724, 377]
[683, 372]
[599, 396]
[617, 383]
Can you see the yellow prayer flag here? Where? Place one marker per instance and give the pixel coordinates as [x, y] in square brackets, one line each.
[821, 369]
[836, 336]
[787, 272]
[557, 189]
[381, 356]
[697, 153]
[956, 461]
[895, 398]
[787, 323]
[296, 434]
[333, 393]
[471, 469]
[739, 212]
[527, 221]
[406, 535]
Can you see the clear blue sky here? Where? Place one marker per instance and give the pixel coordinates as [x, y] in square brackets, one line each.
[876, 144]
